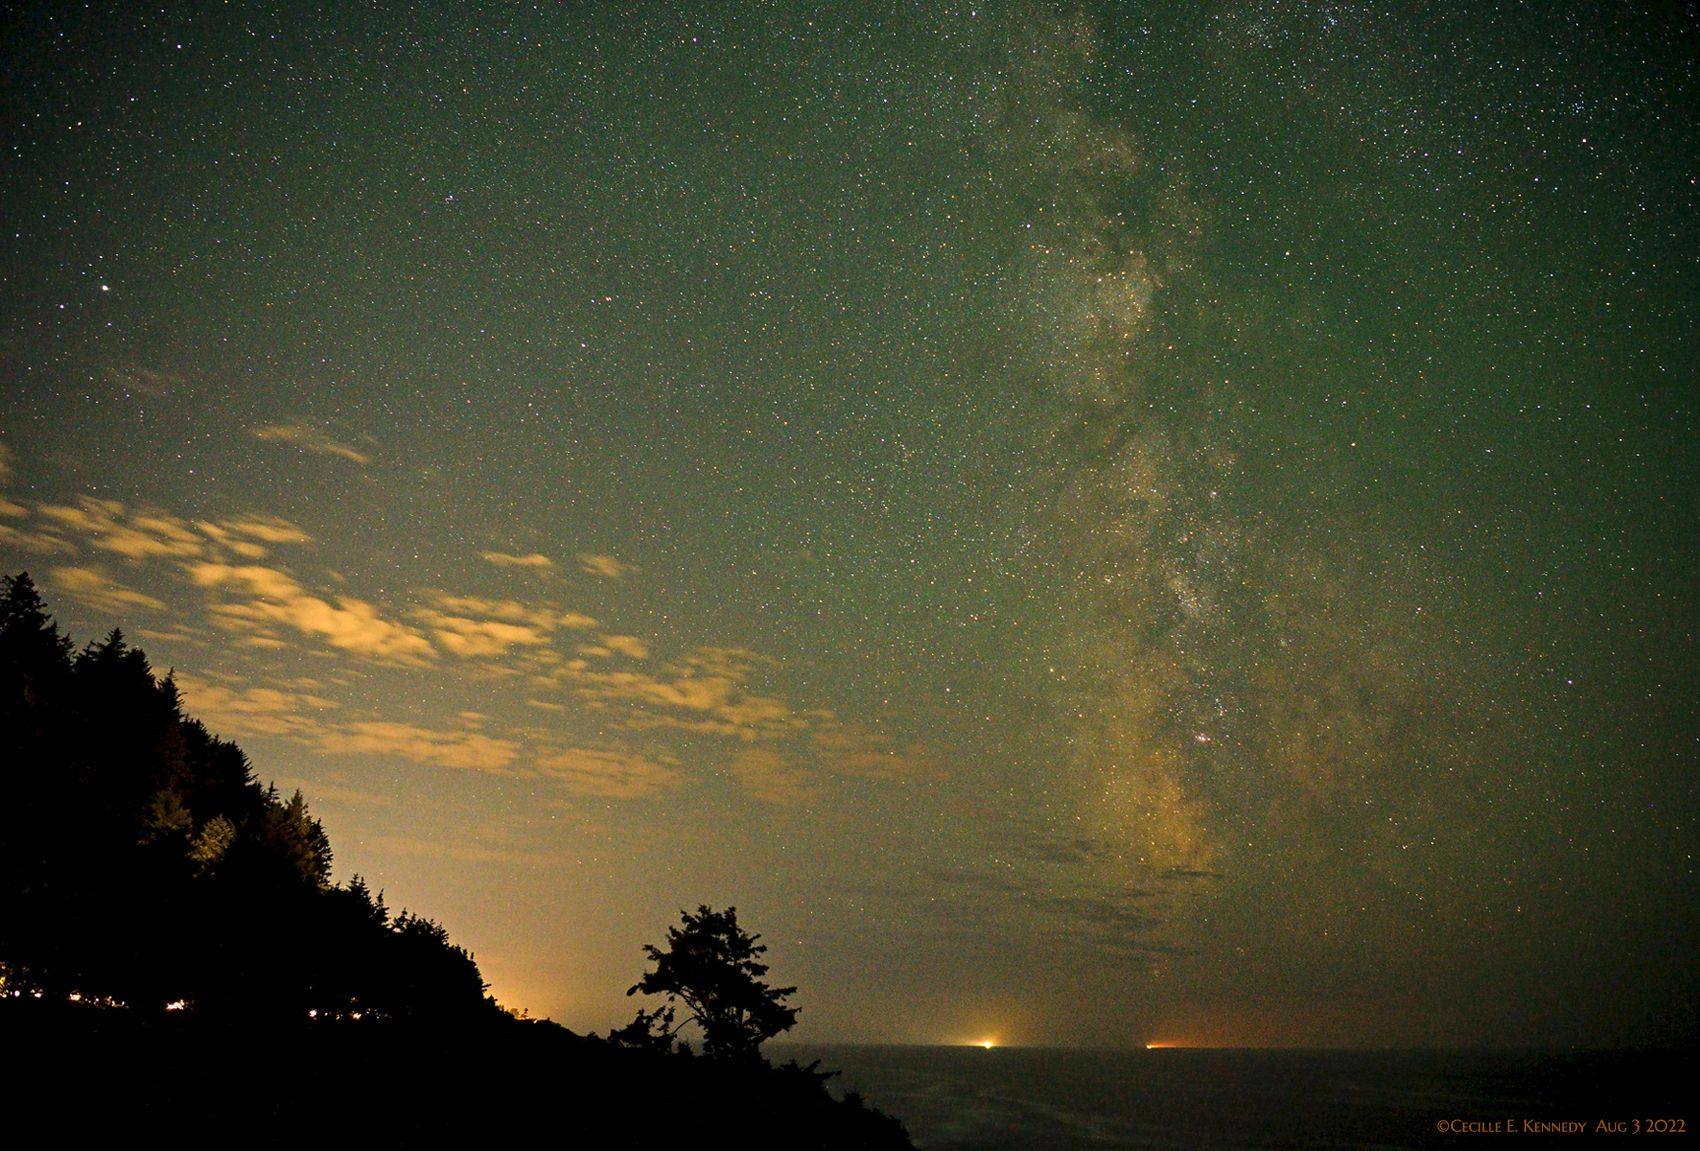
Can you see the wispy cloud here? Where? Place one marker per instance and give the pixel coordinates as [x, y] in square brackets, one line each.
[109, 526]
[536, 561]
[143, 534]
[272, 598]
[546, 617]
[181, 635]
[93, 587]
[475, 627]
[234, 711]
[309, 439]
[850, 747]
[679, 698]
[333, 789]
[250, 536]
[715, 691]
[149, 382]
[29, 538]
[772, 777]
[440, 747]
[608, 774]
[462, 851]
[475, 638]
[605, 566]
[780, 751]
[629, 646]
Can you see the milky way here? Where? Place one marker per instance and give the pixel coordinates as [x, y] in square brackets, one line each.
[1087, 525]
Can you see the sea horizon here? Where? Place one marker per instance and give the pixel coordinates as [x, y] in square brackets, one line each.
[1023, 1098]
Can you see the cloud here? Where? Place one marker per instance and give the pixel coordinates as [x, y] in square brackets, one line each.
[461, 852]
[148, 534]
[5, 463]
[438, 747]
[536, 561]
[709, 692]
[26, 539]
[772, 777]
[693, 702]
[176, 635]
[309, 439]
[144, 381]
[144, 535]
[233, 711]
[857, 749]
[277, 599]
[542, 616]
[629, 646]
[93, 588]
[329, 790]
[248, 535]
[474, 627]
[608, 774]
[479, 638]
[604, 565]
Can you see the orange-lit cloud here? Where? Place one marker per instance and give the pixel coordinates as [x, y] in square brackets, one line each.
[474, 627]
[332, 789]
[629, 646]
[173, 635]
[846, 747]
[309, 439]
[29, 539]
[609, 774]
[461, 851]
[479, 638]
[146, 535]
[93, 587]
[541, 616]
[250, 536]
[603, 565]
[535, 561]
[234, 711]
[680, 698]
[439, 747]
[772, 777]
[274, 599]
[143, 381]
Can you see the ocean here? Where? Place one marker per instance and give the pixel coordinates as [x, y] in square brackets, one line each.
[1041, 1099]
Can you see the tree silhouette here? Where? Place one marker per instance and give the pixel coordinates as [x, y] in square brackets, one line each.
[142, 864]
[711, 966]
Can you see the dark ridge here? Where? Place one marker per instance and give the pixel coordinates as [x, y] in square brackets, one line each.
[174, 957]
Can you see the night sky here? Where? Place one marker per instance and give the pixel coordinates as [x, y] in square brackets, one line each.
[1106, 525]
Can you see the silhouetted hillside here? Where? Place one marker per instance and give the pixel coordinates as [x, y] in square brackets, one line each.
[174, 957]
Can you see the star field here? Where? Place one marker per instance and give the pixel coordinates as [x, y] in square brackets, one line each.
[1083, 523]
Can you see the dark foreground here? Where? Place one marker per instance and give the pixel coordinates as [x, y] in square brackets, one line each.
[1037, 1099]
[99, 1075]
